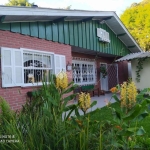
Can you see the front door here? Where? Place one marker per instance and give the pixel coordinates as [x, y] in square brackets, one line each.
[104, 79]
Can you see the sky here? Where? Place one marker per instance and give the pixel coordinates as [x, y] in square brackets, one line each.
[102, 5]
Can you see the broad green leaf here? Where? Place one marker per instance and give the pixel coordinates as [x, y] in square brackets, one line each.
[70, 89]
[77, 112]
[140, 131]
[134, 114]
[70, 107]
[93, 103]
[126, 133]
[68, 98]
[116, 98]
[116, 114]
[143, 115]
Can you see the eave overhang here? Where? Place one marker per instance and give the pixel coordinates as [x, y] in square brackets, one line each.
[29, 14]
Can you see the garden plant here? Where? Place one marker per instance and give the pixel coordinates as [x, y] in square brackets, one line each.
[48, 122]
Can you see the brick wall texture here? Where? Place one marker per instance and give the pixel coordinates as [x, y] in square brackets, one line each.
[16, 96]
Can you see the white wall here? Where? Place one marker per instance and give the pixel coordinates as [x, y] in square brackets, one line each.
[129, 70]
[145, 74]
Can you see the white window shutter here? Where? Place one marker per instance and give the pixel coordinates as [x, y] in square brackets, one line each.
[18, 67]
[12, 74]
[7, 67]
[63, 62]
[60, 63]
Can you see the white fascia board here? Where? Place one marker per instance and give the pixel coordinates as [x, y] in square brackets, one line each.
[20, 11]
[125, 29]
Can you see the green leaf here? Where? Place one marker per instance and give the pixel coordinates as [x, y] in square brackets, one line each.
[70, 89]
[143, 115]
[116, 98]
[93, 103]
[134, 114]
[70, 107]
[77, 112]
[140, 131]
[126, 133]
[116, 114]
[68, 98]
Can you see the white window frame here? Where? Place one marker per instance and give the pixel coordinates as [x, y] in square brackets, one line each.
[88, 63]
[34, 52]
[61, 65]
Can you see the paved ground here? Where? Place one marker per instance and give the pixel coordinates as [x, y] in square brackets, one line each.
[101, 101]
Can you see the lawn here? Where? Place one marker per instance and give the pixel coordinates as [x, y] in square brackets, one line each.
[105, 113]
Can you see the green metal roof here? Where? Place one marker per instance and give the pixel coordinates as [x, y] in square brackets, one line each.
[68, 26]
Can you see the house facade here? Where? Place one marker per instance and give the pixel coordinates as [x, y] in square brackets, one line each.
[36, 42]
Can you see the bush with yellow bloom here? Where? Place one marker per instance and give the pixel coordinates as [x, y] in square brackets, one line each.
[62, 80]
[84, 101]
[128, 94]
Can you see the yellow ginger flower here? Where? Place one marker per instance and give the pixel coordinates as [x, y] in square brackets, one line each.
[128, 94]
[132, 93]
[84, 101]
[62, 80]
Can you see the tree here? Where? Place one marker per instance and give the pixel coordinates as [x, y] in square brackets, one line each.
[137, 20]
[19, 3]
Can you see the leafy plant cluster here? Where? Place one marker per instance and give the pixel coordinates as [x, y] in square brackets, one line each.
[139, 68]
[137, 20]
[103, 71]
[47, 123]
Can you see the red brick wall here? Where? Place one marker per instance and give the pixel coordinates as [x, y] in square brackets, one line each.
[16, 96]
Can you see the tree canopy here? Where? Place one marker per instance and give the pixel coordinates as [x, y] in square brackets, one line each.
[19, 3]
[137, 20]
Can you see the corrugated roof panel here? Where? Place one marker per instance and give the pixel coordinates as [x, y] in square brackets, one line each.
[130, 56]
[146, 54]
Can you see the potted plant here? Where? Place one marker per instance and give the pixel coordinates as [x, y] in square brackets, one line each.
[103, 71]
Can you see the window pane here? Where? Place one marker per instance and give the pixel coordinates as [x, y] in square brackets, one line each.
[83, 72]
[38, 60]
[77, 73]
[36, 64]
[28, 76]
[46, 61]
[28, 60]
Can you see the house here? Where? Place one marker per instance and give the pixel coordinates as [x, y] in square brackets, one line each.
[38, 41]
[139, 68]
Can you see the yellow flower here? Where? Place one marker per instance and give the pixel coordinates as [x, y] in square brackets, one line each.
[84, 101]
[62, 80]
[128, 94]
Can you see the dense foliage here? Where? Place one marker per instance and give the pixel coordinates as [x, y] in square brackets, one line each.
[137, 20]
[19, 3]
[46, 123]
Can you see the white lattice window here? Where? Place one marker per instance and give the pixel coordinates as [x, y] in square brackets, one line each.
[83, 72]
[36, 66]
[22, 67]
